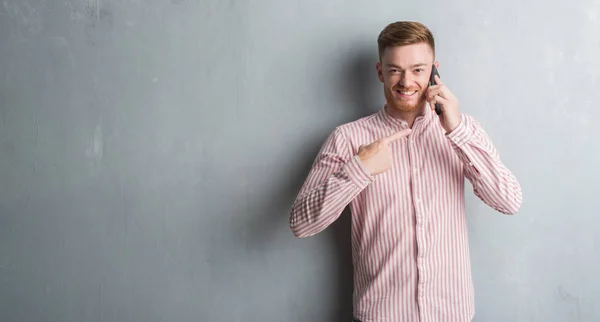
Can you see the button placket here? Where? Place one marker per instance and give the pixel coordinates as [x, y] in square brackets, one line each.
[414, 178]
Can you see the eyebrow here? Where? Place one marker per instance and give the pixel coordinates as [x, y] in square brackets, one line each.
[412, 66]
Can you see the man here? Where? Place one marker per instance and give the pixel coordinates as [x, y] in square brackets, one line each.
[401, 171]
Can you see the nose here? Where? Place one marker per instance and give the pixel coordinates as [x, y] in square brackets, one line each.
[404, 79]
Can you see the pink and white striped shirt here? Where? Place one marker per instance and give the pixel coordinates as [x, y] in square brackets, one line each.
[409, 234]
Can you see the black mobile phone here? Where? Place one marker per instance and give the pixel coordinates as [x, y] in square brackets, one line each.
[434, 71]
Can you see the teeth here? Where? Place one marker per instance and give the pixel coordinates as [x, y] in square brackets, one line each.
[408, 93]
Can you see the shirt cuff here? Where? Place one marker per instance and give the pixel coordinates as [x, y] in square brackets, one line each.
[357, 173]
[460, 135]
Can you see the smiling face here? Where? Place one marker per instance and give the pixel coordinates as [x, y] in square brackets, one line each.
[404, 72]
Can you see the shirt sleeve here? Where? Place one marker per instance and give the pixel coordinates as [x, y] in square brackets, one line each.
[492, 181]
[335, 179]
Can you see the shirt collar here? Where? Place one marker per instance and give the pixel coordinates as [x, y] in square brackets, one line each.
[400, 124]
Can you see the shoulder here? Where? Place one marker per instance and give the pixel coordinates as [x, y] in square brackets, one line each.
[358, 127]
[351, 135]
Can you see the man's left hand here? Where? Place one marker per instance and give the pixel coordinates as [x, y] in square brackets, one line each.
[450, 117]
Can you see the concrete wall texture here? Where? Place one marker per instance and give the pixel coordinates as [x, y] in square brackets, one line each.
[150, 152]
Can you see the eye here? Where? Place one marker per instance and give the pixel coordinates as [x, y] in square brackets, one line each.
[419, 70]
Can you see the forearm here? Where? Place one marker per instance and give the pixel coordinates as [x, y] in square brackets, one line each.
[321, 201]
[492, 181]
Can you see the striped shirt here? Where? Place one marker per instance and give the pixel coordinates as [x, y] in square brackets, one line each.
[409, 232]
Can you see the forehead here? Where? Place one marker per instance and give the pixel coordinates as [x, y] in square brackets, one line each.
[408, 55]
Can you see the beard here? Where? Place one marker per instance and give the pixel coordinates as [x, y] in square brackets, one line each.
[403, 105]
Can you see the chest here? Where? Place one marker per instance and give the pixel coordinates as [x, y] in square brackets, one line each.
[424, 167]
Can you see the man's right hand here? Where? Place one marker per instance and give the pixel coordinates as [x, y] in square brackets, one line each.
[377, 156]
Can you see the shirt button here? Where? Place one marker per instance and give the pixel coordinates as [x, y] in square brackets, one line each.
[417, 199]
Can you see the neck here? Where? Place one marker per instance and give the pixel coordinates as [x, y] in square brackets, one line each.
[408, 116]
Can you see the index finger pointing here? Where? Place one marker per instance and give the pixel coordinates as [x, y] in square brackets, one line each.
[397, 135]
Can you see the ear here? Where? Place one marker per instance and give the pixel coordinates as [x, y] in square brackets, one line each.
[379, 71]
[437, 64]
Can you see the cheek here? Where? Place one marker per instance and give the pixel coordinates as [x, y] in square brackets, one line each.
[422, 84]
[390, 81]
